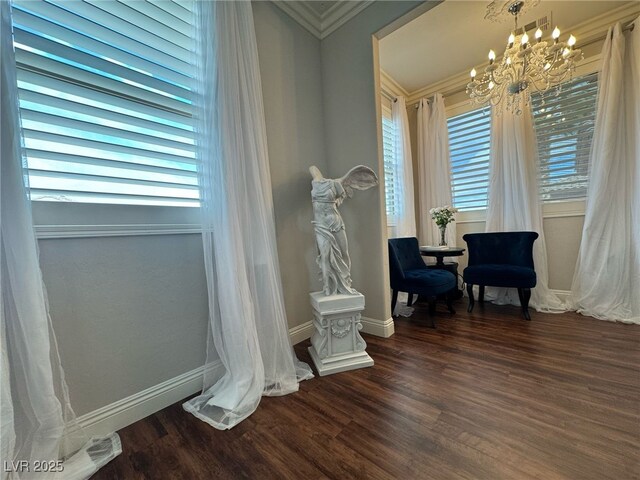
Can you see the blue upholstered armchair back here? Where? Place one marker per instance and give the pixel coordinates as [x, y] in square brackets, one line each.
[404, 254]
[508, 248]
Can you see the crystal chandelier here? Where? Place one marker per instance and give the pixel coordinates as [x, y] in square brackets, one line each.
[526, 65]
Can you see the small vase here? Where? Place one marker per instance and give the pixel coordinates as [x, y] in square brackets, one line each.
[443, 235]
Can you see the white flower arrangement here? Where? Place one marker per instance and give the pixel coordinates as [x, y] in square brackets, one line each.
[443, 215]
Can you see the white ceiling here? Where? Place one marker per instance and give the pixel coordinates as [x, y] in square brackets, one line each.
[453, 37]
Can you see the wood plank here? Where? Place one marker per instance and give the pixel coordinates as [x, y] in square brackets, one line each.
[486, 395]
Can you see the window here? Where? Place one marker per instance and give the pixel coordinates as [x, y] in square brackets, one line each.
[105, 100]
[469, 145]
[564, 122]
[388, 134]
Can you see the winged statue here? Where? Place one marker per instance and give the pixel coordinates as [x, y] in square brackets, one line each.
[327, 194]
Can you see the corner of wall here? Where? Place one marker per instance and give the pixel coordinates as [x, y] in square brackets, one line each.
[379, 328]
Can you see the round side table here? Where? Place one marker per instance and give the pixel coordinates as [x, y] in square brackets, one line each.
[439, 253]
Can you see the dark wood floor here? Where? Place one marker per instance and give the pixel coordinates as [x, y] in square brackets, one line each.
[484, 396]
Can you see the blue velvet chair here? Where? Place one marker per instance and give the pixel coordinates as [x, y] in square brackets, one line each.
[501, 259]
[409, 274]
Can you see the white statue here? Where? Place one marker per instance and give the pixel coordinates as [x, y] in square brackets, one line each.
[333, 256]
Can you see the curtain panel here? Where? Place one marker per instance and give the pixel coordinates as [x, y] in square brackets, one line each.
[514, 202]
[606, 282]
[434, 168]
[405, 220]
[248, 351]
[38, 424]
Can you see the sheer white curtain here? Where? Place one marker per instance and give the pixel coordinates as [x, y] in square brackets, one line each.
[248, 331]
[37, 421]
[405, 220]
[514, 202]
[434, 168]
[606, 282]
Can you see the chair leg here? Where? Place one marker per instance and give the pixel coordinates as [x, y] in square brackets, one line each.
[394, 299]
[410, 300]
[481, 294]
[525, 296]
[451, 296]
[520, 296]
[432, 306]
[432, 310]
[470, 293]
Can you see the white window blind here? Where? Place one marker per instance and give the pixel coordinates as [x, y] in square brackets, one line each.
[105, 100]
[469, 145]
[390, 191]
[564, 122]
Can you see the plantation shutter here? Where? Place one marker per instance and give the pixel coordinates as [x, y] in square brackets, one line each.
[469, 145]
[390, 191]
[105, 93]
[564, 120]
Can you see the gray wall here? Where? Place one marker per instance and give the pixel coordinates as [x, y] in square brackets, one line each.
[292, 89]
[128, 312]
[131, 312]
[351, 126]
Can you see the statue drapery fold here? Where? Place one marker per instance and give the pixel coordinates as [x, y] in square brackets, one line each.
[331, 238]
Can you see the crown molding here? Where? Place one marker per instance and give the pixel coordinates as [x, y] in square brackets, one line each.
[588, 32]
[390, 86]
[339, 14]
[328, 22]
[303, 14]
[591, 30]
[445, 87]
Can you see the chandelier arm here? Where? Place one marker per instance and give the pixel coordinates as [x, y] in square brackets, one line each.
[525, 67]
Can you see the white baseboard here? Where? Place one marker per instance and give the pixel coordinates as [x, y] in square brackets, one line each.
[301, 333]
[562, 294]
[120, 414]
[379, 328]
[123, 413]
[371, 326]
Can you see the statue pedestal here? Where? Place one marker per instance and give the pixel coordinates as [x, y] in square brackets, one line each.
[336, 344]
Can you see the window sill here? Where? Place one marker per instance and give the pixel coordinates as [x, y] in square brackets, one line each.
[557, 209]
[563, 208]
[82, 220]
[45, 232]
